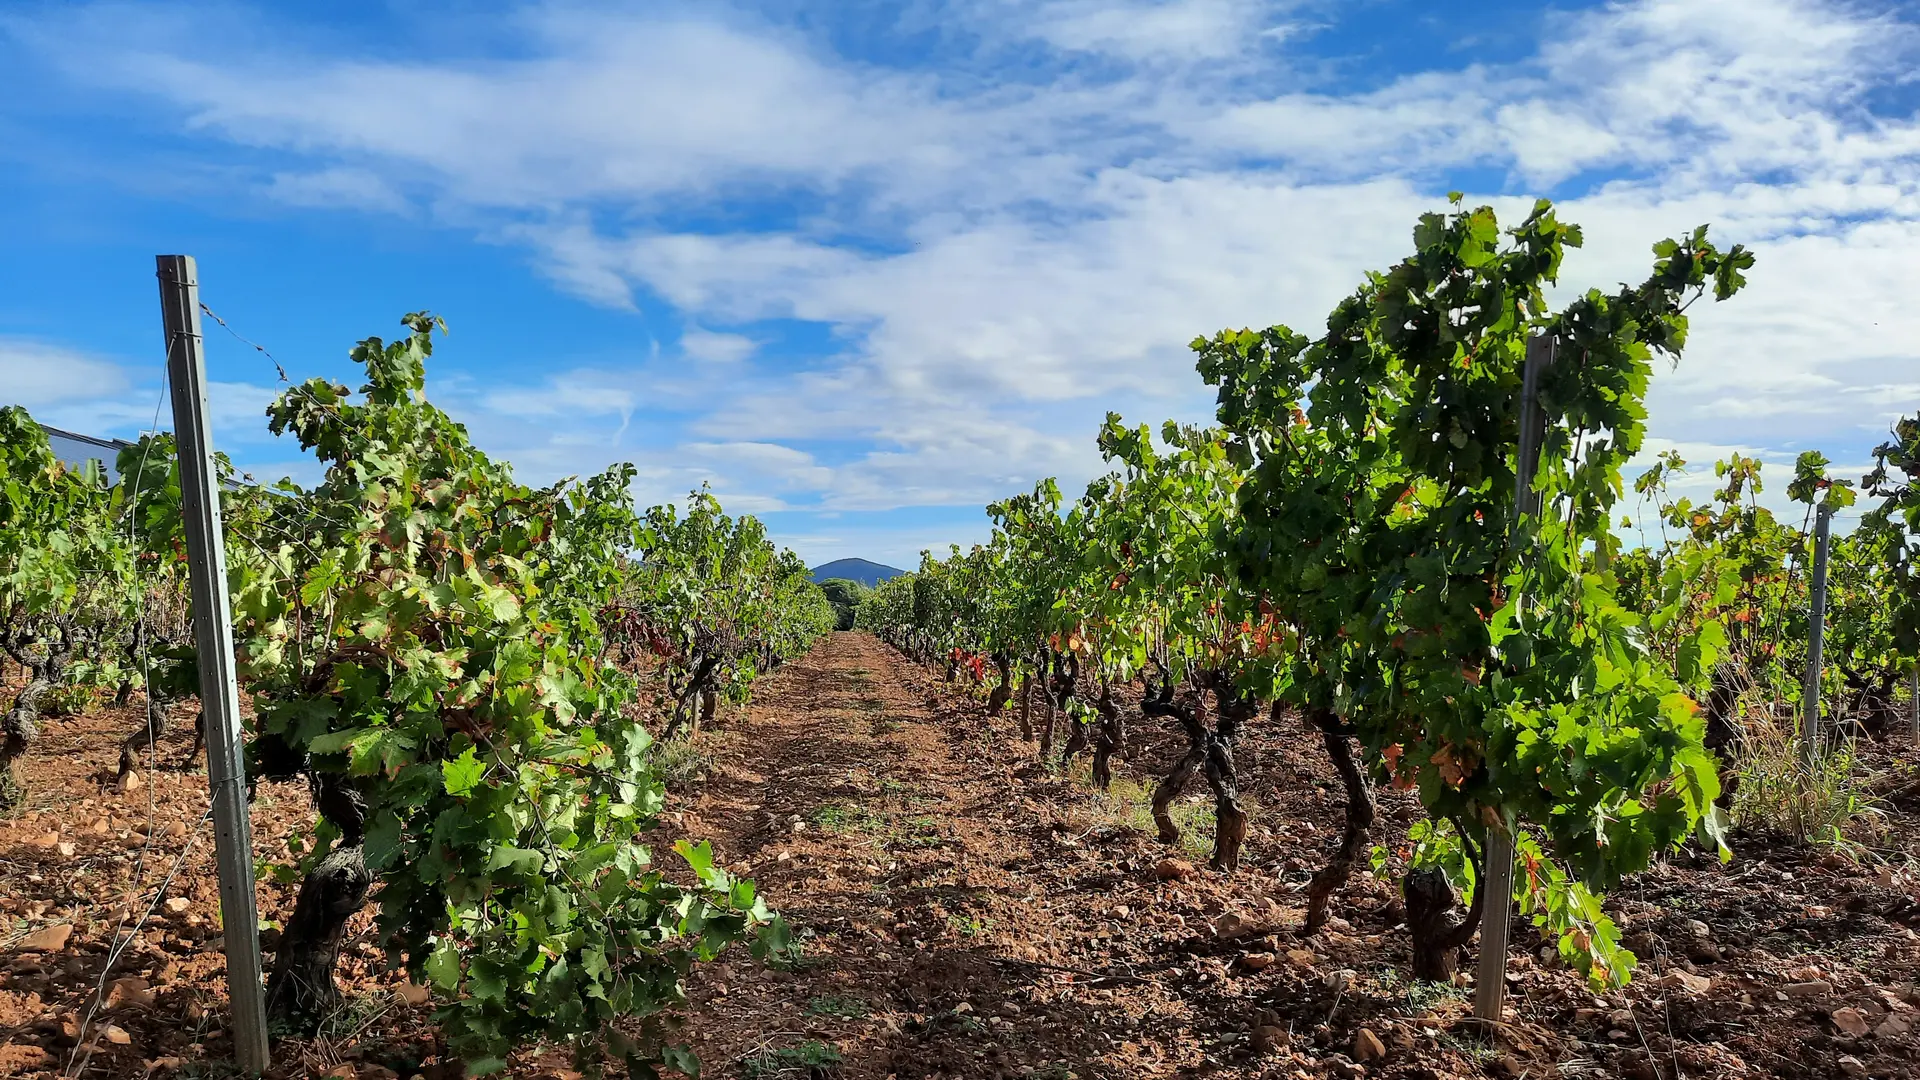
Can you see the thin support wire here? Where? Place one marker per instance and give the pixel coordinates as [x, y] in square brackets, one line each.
[77, 1061]
[261, 349]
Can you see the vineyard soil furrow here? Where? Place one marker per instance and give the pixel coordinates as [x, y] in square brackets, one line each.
[965, 911]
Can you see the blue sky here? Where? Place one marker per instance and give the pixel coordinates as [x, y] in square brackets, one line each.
[865, 266]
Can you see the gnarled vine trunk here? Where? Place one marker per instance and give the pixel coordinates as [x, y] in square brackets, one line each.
[1026, 707]
[1003, 692]
[301, 991]
[1229, 820]
[21, 725]
[1061, 689]
[689, 703]
[1336, 736]
[1438, 934]
[1106, 737]
[1209, 751]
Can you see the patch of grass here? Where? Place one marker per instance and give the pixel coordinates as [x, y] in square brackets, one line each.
[681, 761]
[1480, 1052]
[1780, 794]
[809, 1059]
[837, 1005]
[969, 926]
[921, 832]
[1129, 803]
[1425, 996]
[845, 819]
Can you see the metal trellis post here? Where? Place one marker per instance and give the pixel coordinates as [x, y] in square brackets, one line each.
[1810, 737]
[1490, 982]
[213, 642]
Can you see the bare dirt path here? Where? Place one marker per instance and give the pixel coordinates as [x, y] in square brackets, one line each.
[972, 914]
[975, 914]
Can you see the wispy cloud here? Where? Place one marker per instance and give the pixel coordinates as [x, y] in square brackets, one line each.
[1002, 237]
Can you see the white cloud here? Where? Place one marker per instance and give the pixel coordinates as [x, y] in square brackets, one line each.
[37, 374]
[999, 259]
[713, 348]
[1179, 29]
[337, 189]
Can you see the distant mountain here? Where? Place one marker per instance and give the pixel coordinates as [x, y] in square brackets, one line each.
[860, 570]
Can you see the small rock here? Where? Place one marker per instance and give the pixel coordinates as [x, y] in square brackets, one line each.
[1173, 869]
[1852, 1066]
[1301, 958]
[1257, 961]
[1270, 1039]
[963, 1008]
[1812, 988]
[1338, 981]
[1231, 926]
[48, 939]
[1892, 1028]
[177, 905]
[342, 1072]
[65, 849]
[1367, 1046]
[1348, 1070]
[1688, 982]
[45, 840]
[117, 1035]
[413, 993]
[131, 782]
[129, 991]
[1850, 1020]
[1509, 1066]
[1697, 929]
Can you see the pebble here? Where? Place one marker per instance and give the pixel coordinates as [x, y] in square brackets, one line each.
[1231, 926]
[1812, 988]
[1270, 1038]
[1367, 1046]
[48, 939]
[1173, 869]
[1850, 1020]
[129, 991]
[1690, 983]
